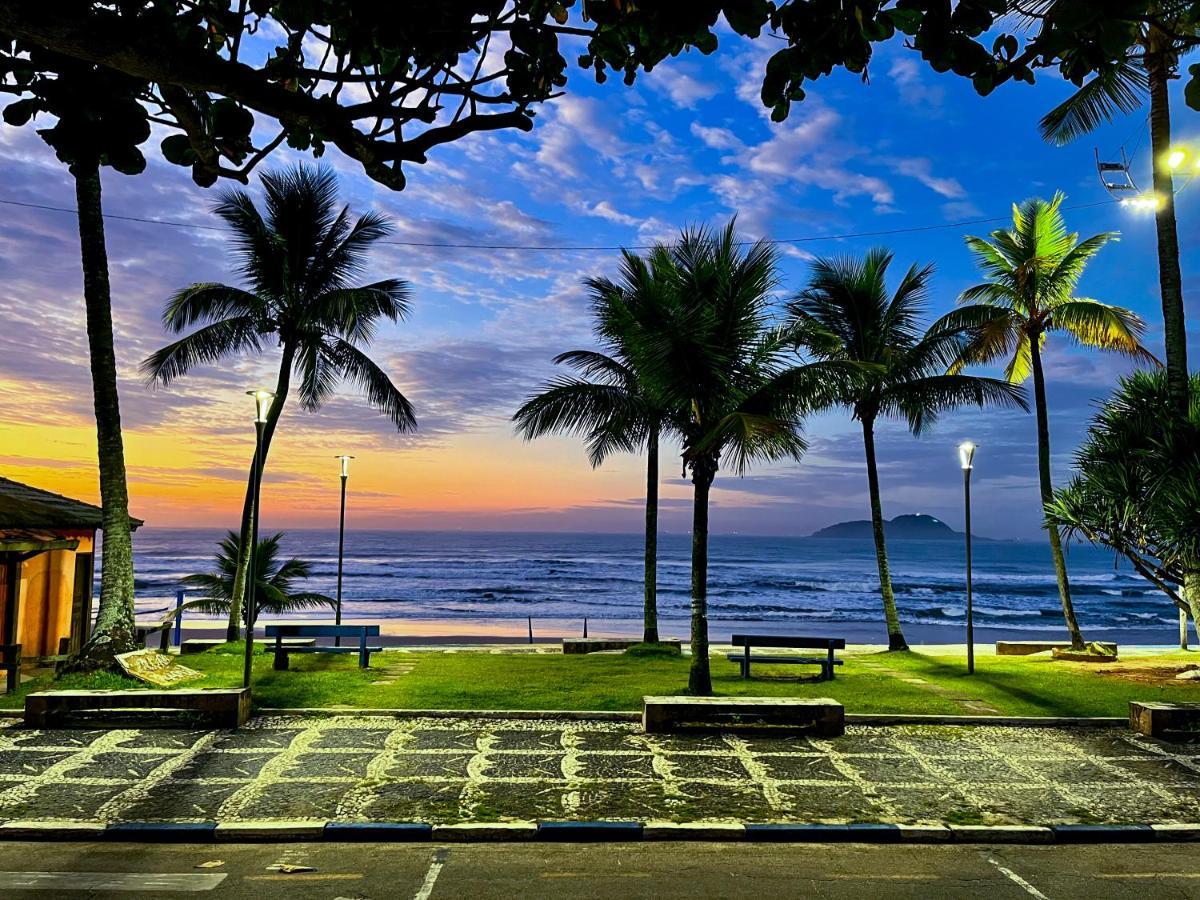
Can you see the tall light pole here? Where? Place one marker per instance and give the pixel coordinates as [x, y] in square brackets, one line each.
[337, 641]
[966, 456]
[262, 405]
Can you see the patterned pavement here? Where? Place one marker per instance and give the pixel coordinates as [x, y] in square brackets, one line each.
[447, 770]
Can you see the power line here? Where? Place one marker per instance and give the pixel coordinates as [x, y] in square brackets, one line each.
[577, 248]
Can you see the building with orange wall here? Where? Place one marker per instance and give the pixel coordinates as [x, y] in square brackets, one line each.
[47, 567]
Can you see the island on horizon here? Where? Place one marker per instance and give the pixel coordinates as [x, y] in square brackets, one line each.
[910, 527]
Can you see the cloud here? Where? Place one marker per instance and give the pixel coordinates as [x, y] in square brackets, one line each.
[908, 76]
[717, 138]
[605, 210]
[683, 88]
[921, 169]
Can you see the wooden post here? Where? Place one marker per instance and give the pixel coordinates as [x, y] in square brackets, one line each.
[1183, 623]
[530, 629]
[585, 626]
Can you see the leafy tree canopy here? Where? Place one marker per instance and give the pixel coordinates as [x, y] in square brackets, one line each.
[388, 82]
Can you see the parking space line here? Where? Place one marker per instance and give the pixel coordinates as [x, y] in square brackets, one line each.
[431, 877]
[1018, 881]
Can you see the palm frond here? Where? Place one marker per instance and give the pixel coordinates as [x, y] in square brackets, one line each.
[1120, 87]
[374, 383]
[210, 344]
[921, 401]
[209, 302]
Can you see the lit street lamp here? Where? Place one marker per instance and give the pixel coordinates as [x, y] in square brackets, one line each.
[262, 405]
[341, 544]
[966, 455]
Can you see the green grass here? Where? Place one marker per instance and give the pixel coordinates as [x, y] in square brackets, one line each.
[1013, 685]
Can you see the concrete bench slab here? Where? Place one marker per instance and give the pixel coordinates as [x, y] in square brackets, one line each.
[603, 645]
[1155, 718]
[222, 707]
[819, 715]
[1026, 648]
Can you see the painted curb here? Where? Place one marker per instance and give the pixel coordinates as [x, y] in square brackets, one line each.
[467, 832]
[1176, 832]
[268, 831]
[377, 831]
[589, 831]
[161, 832]
[1103, 834]
[817, 833]
[1001, 834]
[694, 831]
[51, 830]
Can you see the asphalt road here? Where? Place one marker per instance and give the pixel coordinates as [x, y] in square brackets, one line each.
[597, 871]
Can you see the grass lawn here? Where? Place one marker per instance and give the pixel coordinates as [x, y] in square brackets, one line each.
[868, 683]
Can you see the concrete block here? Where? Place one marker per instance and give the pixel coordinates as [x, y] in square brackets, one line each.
[466, 832]
[222, 707]
[694, 831]
[270, 831]
[1155, 718]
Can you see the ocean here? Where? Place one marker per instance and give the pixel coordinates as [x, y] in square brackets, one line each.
[495, 584]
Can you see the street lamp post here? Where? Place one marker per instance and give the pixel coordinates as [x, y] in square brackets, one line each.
[341, 544]
[966, 456]
[262, 405]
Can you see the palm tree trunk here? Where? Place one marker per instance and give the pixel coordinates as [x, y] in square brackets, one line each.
[1047, 489]
[1159, 64]
[114, 630]
[891, 617]
[1191, 594]
[699, 678]
[282, 385]
[650, 610]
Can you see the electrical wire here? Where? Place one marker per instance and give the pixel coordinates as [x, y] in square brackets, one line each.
[552, 248]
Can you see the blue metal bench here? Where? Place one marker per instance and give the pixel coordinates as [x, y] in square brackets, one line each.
[362, 632]
[827, 662]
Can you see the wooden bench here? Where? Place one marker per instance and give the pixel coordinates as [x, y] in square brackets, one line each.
[10, 664]
[827, 662]
[819, 715]
[361, 632]
[201, 645]
[222, 707]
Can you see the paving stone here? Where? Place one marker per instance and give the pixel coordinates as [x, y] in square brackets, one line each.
[611, 740]
[352, 738]
[890, 769]
[65, 738]
[442, 739]
[412, 802]
[23, 763]
[526, 740]
[689, 767]
[218, 764]
[519, 801]
[429, 765]
[165, 738]
[618, 801]
[295, 800]
[544, 766]
[828, 803]
[125, 766]
[259, 738]
[175, 800]
[63, 800]
[351, 764]
[614, 766]
[802, 768]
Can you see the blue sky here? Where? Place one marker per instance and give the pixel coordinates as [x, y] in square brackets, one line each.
[605, 165]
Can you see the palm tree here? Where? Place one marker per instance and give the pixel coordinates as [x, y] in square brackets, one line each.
[300, 261]
[726, 377]
[1032, 271]
[1150, 63]
[1137, 487]
[274, 580]
[846, 313]
[609, 403]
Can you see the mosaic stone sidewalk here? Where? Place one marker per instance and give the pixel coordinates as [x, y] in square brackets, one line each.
[447, 770]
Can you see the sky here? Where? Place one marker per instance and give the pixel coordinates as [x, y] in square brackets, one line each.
[604, 165]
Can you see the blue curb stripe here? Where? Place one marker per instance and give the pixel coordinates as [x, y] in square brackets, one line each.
[1102, 834]
[874, 833]
[378, 831]
[589, 831]
[161, 831]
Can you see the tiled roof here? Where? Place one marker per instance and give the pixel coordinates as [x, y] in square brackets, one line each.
[22, 506]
